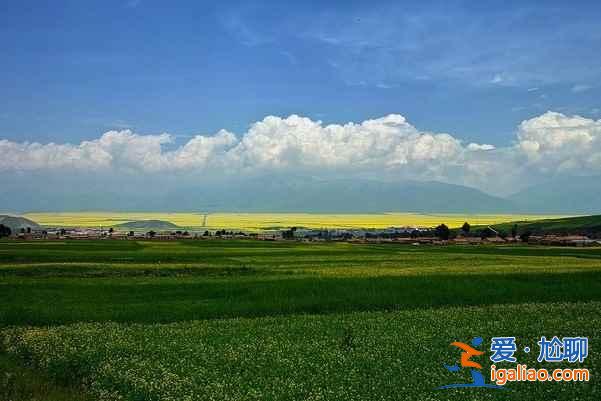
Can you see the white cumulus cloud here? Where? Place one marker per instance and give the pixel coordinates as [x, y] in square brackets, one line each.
[554, 142]
[476, 146]
[273, 143]
[380, 143]
[35, 156]
[581, 88]
[388, 146]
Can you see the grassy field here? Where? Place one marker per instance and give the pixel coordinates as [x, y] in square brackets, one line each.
[231, 320]
[261, 221]
[22, 383]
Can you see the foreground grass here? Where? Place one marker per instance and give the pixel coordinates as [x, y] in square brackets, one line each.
[357, 356]
[149, 282]
[149, 300]
[236, 320]
[19, 383]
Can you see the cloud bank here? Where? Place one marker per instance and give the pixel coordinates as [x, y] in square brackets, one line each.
[554, 142]
[387, 147]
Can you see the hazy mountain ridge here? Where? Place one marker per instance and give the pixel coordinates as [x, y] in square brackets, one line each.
[561, 195]
[273, 193]
[352, 196]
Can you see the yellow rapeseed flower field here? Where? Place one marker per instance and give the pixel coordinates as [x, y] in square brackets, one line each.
[263, 221]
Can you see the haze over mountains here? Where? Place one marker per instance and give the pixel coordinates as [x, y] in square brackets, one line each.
[303, 194]
[274, 193]
[569, 194]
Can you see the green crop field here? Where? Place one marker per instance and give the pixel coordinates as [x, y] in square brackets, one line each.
[250, 320]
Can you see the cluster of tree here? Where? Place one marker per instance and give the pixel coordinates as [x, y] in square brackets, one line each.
[289, 234]
[207, 233]
[152, 233]
[220, 233]
[401, 234]
[442, 232]
[491, 233]
[5, 231]
[525, 236]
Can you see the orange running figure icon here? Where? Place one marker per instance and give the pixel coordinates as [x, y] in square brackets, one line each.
[467, 354]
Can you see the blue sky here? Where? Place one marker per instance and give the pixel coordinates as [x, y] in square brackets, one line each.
[72, 70]
[498, 96]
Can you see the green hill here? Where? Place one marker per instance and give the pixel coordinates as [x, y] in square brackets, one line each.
[581, 225]
[145, 225]
[16, 223]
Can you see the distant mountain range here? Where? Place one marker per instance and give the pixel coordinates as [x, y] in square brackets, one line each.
[303, 194]
[580, 195]
[308, 194]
